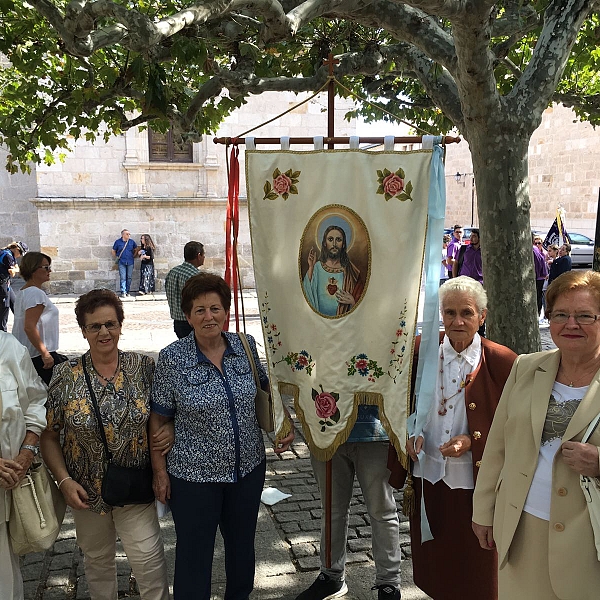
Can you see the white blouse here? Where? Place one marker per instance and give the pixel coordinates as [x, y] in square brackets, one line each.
[454, 472]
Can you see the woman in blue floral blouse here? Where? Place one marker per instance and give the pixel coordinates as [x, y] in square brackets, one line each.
[214, 474]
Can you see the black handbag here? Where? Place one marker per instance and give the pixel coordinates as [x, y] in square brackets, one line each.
[120, 485]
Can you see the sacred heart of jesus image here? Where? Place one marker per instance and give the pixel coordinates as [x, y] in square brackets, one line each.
[332, 286]
[335, 261]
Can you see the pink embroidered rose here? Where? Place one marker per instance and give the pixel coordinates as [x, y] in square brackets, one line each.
[325, 405]
[282, 184]
[392, 184]
[361, 364]
[302, 360]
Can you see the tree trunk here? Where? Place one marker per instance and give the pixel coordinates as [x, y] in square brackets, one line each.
[500, 166]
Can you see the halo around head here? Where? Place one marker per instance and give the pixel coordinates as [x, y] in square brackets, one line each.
[336, 220]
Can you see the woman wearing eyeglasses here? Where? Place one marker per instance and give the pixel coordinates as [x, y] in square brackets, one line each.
[36, 317]
[528, 502]
[119, 384]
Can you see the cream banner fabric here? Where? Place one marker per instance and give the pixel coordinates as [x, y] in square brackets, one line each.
[338, 244]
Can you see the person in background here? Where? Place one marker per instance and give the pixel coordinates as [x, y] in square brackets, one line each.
[146, 254]
[22, 419]
[541, 269]
[453, 248]
[36, 317]
[561, 264]
[468, 261]
[124, 251]
[72, 448]
[444, 269]
[214, 474]
[193, 254]
[528, 504]
[8, 269]
[447, 453]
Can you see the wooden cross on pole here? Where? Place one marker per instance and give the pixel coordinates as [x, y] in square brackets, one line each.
[330, 61]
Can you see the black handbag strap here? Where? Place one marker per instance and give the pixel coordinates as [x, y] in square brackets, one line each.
[96, 409]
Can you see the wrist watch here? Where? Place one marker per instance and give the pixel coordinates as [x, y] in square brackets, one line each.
[34, 449]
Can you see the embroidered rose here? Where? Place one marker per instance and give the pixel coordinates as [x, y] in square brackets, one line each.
[393, 184]
[282, 184]
[325, 405]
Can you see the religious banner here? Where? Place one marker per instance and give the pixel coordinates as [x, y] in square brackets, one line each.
[338, 241]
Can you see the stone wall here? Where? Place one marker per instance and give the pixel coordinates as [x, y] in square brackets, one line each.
[84, 202]
[18, 217]
[563, 158]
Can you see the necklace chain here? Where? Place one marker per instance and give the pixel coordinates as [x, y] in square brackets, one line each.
[442, 410]
[573, 381]
[113, 376]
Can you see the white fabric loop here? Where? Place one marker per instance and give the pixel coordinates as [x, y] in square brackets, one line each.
[319, 142]
[285, 142]
[388, 143]
[250, 143]
[354, 142]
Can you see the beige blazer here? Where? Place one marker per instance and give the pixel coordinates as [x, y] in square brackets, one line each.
[509, 462]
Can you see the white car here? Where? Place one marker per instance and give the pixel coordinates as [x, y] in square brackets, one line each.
[582, 249]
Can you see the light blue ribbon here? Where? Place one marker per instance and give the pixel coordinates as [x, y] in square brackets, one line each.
[428, 352]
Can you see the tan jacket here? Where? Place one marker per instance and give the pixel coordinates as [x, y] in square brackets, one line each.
[509, 462]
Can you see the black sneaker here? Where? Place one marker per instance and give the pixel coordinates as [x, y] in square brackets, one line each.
[387, 592]
[325, 588]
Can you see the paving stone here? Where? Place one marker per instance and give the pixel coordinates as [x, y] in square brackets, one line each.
[303, 550]
[364, 532]
[359, 545]
[290, 527]
[55, 593]
[309, 563]
[30, 589]
[64, 546]
[310, 504]
[61, 561]
[303, 537]
[312, 525]
[303, 489]
[292, 516]
[58, 578]
[303, 497]
[83, 592]
[356, 557]
[34, 557]
[32, 572]
[286, 506]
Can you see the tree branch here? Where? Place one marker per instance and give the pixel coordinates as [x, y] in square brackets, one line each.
[534, 90]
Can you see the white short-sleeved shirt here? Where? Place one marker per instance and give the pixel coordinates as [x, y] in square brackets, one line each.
[563, 403]
[47, 325]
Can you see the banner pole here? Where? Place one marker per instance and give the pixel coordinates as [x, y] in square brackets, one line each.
[330, 62]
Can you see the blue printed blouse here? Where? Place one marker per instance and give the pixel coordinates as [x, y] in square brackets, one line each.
[217, 437]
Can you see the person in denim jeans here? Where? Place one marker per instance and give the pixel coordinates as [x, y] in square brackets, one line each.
[125, 250]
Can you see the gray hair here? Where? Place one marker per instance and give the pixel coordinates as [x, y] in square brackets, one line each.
[468, 286]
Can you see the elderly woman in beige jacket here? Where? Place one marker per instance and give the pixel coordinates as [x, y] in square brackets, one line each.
[23, 416]
[528, 502]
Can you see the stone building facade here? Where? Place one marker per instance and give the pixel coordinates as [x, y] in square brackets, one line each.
[563, 158]
[74, 210]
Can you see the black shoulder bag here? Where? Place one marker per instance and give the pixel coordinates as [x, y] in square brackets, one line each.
[120, 485]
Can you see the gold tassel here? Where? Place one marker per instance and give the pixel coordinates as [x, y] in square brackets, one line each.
[408, 497]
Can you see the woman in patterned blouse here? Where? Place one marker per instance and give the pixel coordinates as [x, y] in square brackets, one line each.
[214, 474]
[121, 383]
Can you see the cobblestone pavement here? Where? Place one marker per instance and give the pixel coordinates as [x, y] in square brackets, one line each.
[288, 532]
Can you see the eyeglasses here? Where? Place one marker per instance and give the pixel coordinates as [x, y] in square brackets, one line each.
[96, 327]
[538, 242]
[47, 267]
[560, 318]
